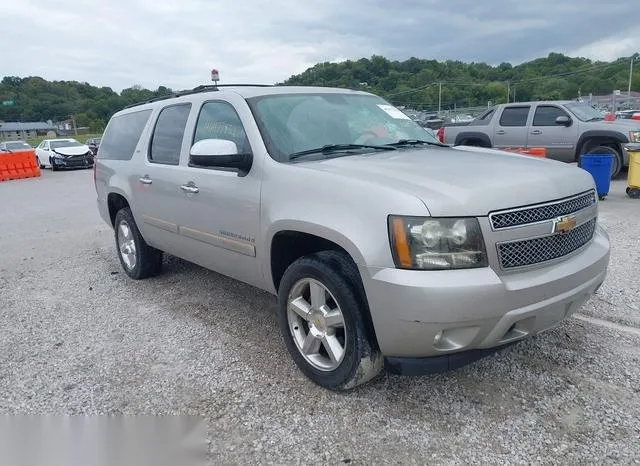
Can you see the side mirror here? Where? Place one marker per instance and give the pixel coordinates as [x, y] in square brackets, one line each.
[563, 121]
[219, 153]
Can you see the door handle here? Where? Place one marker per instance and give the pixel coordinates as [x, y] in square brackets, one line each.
[536, 131]
[500, 131]
[145, 180]
[190, 188]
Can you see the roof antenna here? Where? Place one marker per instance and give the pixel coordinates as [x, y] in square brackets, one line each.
[215, 77]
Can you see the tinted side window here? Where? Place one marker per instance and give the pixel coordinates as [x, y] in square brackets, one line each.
[219, 120]
[166, 141]
[514, 116]
[122, 134]
[485, 118]
[546, 115]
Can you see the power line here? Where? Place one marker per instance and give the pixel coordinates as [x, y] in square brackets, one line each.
[485, 83]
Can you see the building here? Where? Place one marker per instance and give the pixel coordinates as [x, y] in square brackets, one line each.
[621, 102]
[11, 131]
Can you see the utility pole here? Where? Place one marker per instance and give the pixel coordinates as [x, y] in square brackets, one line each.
[508, 90]
[439, 97]
[630, 75]
[514, 93]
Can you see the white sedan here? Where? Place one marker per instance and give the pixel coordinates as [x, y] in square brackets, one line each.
[63, 153]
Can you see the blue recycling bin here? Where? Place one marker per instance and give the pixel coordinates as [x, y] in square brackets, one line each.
[599, 165]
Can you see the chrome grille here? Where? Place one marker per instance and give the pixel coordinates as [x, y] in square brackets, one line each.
[537, 250]
[540, 213]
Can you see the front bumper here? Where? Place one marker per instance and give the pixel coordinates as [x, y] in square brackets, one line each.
[72, 162]
[422, 314]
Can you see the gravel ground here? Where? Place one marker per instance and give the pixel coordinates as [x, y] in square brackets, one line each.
[79, 337]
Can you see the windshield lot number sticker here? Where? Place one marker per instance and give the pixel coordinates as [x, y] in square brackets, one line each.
[394, 112]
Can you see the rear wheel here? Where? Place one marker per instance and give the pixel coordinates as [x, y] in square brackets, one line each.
[138, 259]
[322, 318]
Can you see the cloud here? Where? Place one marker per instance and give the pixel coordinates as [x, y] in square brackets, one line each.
[160, 42]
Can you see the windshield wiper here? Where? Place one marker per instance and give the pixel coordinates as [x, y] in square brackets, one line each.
[595, 119]
[329, 148]
[415, 142]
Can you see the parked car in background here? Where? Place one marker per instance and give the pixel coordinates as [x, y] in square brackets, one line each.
[383, 246]
[94, 144]
[566, 129]
[13, 146]
[628, 115]
[61, 153]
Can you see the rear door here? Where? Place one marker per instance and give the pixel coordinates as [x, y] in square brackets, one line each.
[156, 189]
[510, 130]
[559, 140]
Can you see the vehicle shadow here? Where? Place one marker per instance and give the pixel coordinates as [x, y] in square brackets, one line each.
[246, 314]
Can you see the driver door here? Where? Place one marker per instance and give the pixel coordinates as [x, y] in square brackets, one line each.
[219, 214]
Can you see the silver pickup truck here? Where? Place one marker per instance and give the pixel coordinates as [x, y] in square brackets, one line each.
[566, 129]
[384, 247]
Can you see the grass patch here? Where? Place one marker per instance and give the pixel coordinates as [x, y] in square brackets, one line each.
[80, 138]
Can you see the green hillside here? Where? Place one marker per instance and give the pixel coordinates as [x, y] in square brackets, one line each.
[418, 83]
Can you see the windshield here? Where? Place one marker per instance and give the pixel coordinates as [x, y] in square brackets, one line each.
[292, 123]
[584, 112]
[17, 146]
[68, 143]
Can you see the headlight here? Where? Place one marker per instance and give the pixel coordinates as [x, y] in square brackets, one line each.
[426, 243]
[634, 136]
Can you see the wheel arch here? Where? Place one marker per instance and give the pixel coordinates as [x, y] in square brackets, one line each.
[601, 137]
[306, 238]
[463, 137]
[116, 201]
[289, 244]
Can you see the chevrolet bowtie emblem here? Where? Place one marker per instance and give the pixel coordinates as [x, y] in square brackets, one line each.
[564, 224]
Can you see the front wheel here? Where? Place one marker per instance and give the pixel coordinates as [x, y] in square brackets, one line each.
[138, 259]
[322, 318]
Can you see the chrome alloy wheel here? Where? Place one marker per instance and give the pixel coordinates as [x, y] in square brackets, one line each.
[127, 245]
[316, 324]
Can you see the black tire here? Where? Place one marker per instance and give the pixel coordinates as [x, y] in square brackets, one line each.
[362, 359]
[53, 166]
[148, 259]
[633, 193]
[617, 158]
[38, 162]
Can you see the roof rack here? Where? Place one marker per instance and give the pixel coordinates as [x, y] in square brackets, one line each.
[195, 90]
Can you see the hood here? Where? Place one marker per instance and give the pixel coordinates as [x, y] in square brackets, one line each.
[620, 125]
[463, 181]
[73, 150]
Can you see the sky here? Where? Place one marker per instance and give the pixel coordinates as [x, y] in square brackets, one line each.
[121, 43]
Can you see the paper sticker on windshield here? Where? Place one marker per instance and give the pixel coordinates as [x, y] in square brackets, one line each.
[394, 112]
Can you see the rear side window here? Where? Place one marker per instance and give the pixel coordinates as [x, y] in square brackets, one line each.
[168, 134]
[485, 118]
[122, 134]
[514, 116]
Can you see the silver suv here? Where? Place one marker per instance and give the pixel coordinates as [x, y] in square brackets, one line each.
[385, 248]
